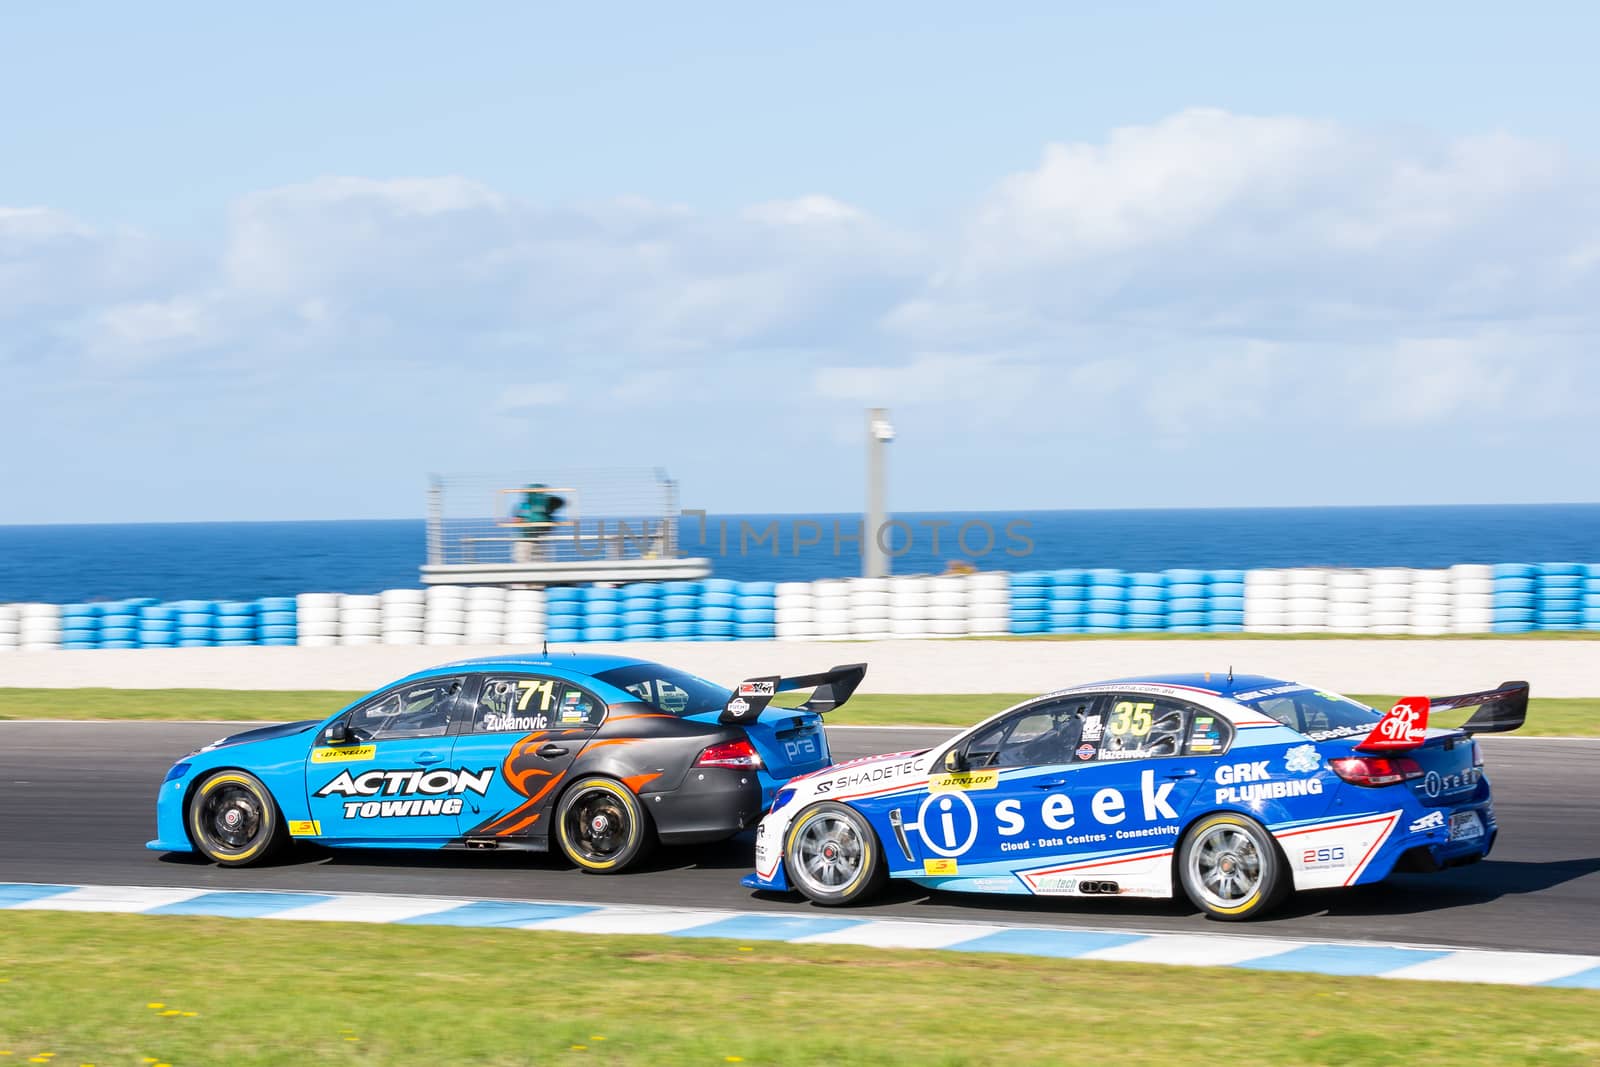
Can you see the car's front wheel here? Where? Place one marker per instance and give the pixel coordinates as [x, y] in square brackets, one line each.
[1231, 868]
[602, 827]
[233, 819]
[833, 856]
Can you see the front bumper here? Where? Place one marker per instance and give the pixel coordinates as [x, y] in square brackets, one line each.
[769, 873]
[171, 834]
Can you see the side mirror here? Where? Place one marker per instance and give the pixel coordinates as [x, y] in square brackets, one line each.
[955, 760]
[337, 734]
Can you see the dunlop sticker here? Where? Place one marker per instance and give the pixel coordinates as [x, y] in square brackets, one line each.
[986, 779]
[344, 754]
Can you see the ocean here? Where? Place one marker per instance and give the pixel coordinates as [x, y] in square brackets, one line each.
[242, 560]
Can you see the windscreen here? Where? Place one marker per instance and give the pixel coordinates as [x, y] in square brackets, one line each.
[665, 689]
[1318, 714]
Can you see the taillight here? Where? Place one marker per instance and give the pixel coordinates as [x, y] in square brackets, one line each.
[1477, 755]
[1376, 770]
[735, 755]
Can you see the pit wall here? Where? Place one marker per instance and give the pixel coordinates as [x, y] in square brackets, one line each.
[1468, 598]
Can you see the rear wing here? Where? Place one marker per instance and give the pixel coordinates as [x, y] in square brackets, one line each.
[1405, 726]
[830, 689]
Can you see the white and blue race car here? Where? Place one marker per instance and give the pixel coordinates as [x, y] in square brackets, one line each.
[1239, 789]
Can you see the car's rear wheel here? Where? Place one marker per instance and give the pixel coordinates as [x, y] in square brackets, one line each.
[602, 827]
[833, 856]
[233, 819]
[1231, 867]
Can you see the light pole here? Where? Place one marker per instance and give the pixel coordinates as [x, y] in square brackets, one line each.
[874, 560]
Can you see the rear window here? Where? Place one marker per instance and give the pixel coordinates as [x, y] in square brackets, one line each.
[1318, 714]
[665, 689]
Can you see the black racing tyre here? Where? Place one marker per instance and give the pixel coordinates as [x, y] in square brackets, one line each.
[602, 827]
[833, 856]
[1231, 868]
[233, 820]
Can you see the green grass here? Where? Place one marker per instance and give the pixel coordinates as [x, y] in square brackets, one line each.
[189, 990]
[1549, 717]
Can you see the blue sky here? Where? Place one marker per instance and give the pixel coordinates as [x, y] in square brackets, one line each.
[1116, 255]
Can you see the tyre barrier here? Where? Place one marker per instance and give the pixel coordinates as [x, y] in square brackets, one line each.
[1466, 598]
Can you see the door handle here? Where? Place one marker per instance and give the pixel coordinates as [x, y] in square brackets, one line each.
[551, 751]
[1050, 783]
[428, 757]
[1187, 772]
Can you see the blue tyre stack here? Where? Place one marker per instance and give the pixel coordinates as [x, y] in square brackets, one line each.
[641, 611]
[158, 626]
[1147, 601]
[563, 605]
[80, 625]
[755, 610]
[1069, 602]
[1188, 600]
[680, 610]
[197, 623]
[1225, 601]
[1105, 601]
[1030, 602]
[714, 620]
[120, 623]
[238, 623]
[1591, 597]
[602, 614]
[1515, 597]
[1561, 587]
[276, 620]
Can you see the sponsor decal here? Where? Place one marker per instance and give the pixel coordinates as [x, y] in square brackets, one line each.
[1138, 752]
[1277, 690]
[1093, 727]
[758, 689]
[1313, 858]
[1337, 732]
[1055, 883]
[305, 828]
[986, 779]
[939, 867]
[1251, 781]
[1084, 751]
[800, 748]
[1434, 820]
[1406, 726]
[344, 754]
[1436, 784]
[738, 705]
[1200, 745]
[1302, 759]
[507, 721]
[572, 710]
[859, 777]
[435, 785]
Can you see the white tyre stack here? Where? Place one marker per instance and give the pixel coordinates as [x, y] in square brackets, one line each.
[524, 617]
[1432, 599]
[486, 615]
[38, 627]
[1266, 609]
[444, 615]
[401, 622]
[10, 628]
[869, 608]
[360, 619]
[1389, 595]
[908, 607]
[794, 606]
[1306, 593]
[317, 619]
[830, 608]
[989, 603]
[948, 605]
[1349, 611]
[1472, 590]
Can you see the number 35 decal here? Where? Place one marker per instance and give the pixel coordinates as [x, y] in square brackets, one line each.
[1128, 718]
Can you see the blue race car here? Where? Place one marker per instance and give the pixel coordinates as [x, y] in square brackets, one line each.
[606, 755]
[1237, 789]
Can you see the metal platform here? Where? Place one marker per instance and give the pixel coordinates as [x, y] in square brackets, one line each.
[566, 572]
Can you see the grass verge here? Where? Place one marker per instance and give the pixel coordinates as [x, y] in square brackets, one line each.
[1551, 717]
[189, 990]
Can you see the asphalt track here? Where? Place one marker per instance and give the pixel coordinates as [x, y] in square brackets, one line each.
[77, 805]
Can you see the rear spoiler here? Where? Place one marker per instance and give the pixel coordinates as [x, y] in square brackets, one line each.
[831, 688]
[1405, 726]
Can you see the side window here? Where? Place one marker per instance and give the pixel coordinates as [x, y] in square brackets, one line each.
[1210, 735]
[1042, 734]
[419, 710]
[525, 703]
[1139, 726]
[515, 704]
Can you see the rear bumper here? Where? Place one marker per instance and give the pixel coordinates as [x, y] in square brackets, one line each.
[712, 804]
